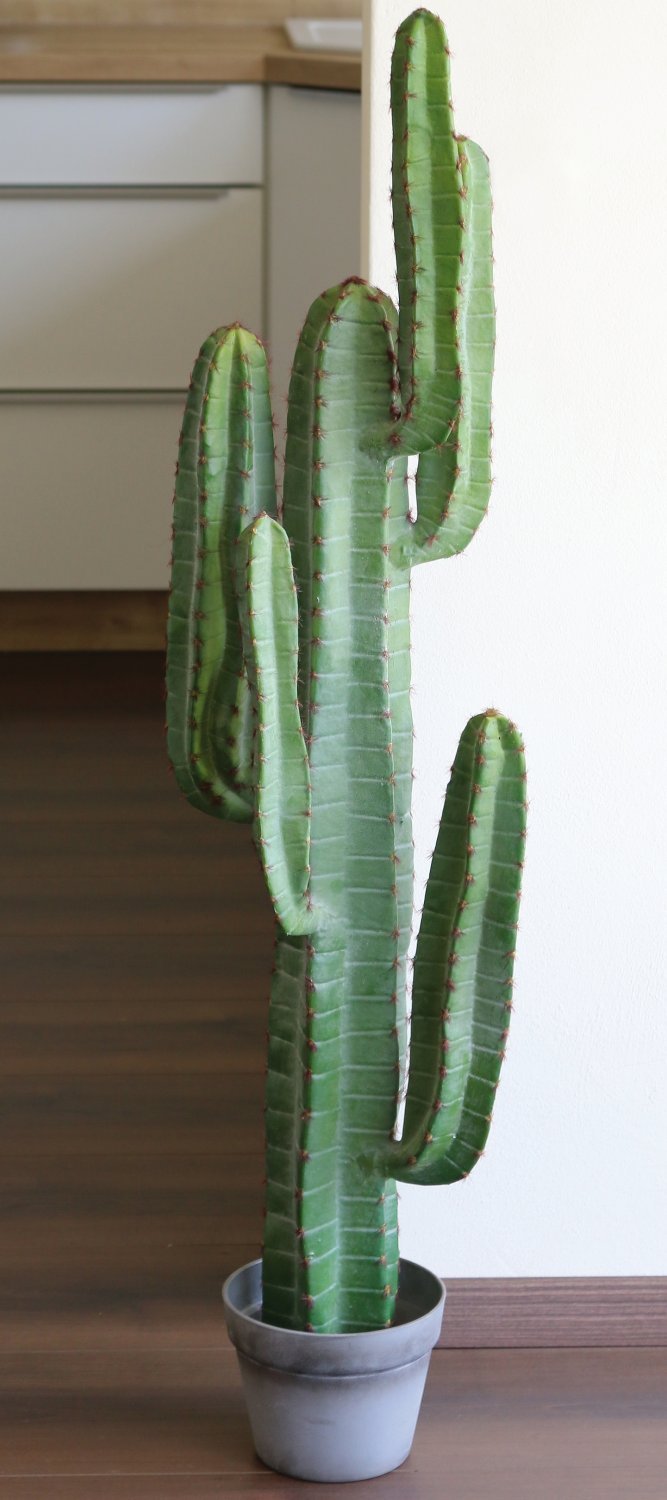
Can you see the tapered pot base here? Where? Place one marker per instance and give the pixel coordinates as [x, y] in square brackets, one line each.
[334, 1407]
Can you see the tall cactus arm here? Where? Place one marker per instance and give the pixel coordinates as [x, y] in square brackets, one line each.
[225, 475]
[270, 624]
[428, 198]
[453, 482]
[462, 995]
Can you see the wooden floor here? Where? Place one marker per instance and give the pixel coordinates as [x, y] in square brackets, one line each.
[135, 943]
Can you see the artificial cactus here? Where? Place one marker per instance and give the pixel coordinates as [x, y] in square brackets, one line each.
[288, 703]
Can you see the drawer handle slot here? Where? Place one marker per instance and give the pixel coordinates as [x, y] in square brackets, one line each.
[191, 191]
[100, 397]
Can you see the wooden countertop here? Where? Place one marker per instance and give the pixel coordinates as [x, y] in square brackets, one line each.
[167, 54]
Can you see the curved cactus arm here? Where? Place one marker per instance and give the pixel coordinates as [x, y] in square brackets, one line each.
[224, 476]
[427, 196]
[462, 995]
[453, 482]
[270, 623]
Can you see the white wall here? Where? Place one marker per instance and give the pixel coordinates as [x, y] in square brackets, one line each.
[556, 615]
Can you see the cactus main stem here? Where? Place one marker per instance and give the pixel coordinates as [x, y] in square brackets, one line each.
[338, 1000]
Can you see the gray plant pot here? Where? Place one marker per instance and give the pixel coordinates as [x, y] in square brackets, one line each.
[334, 1406]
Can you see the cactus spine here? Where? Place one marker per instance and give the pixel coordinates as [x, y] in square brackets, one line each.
[288, 703]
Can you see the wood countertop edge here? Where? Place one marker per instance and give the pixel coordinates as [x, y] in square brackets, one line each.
[322, 70]
[167, 54]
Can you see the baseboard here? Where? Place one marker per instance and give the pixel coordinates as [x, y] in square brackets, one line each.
[551, 1312]
[83, 620]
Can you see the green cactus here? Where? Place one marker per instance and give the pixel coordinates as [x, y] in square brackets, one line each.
[288, 703]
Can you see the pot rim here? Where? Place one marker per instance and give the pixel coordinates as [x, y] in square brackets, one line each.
[300, 1335]
[398, 1344]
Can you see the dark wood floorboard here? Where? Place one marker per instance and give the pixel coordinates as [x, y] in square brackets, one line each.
[520, 1424]
[136, 942]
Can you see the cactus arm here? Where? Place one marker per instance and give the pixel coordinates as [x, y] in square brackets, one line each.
[225, 475]
[453, 482]
[462, 995]
[446, 321]
[428, 203]
[269, 619]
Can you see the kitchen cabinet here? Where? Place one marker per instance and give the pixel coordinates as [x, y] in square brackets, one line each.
[131, 223]
[314, 178]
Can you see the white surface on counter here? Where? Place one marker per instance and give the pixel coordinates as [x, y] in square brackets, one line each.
[315, 35]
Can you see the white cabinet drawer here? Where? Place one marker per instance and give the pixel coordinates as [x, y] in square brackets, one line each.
[86, 493]
[106, 137]
[117, 292]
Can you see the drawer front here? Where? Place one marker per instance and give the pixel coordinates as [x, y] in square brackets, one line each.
[117, 292]
[87, 493]
[107, 137]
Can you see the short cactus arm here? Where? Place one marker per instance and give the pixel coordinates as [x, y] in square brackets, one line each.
[462, 996]
[225, 475]
[270, 623]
